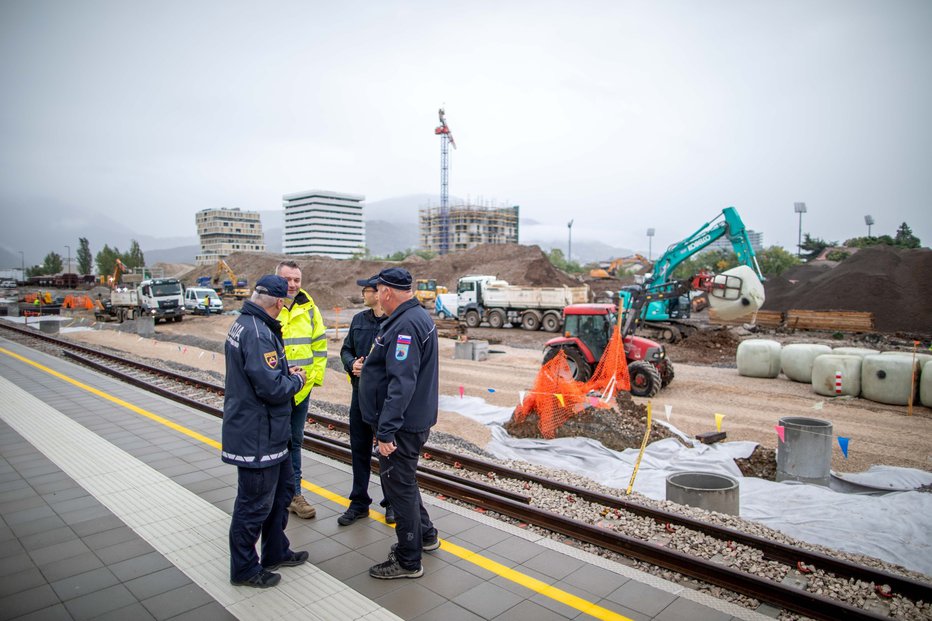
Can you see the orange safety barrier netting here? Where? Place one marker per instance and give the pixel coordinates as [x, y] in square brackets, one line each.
[556, 397]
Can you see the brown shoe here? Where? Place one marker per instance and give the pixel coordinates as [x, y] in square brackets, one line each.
[302, 508]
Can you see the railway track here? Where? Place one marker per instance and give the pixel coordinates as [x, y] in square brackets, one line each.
[441, 472]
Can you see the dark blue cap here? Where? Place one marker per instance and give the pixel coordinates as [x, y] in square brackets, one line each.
[368, 282]
[395, 277]
[272, 285]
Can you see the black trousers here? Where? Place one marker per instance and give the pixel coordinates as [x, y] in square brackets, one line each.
[398, 473]
[261, 507]
[361, 437]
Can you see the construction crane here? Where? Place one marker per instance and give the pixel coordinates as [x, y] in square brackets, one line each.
[446, 138]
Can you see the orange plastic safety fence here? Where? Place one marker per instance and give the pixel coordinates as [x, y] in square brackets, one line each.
[556, 397]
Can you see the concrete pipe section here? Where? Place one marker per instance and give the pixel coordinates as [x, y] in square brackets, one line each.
[706, 490]
[805, 455]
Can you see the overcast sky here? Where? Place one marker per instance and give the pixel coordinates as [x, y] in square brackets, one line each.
[621, 115]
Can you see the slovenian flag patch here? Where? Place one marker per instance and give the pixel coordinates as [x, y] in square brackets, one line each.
[403, 339]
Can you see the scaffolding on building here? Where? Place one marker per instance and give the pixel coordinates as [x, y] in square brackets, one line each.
[465, 226]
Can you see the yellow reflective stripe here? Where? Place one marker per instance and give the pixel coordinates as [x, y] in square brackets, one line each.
[299, 340]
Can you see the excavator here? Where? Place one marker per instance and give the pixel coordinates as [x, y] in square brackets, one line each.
[666, 318]
[616, 267]
[238, 288]
[426, 292]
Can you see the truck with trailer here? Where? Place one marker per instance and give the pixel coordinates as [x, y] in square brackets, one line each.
[488, 299]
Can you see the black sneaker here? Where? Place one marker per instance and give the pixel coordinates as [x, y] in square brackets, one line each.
[351, 515]
[295, 559]
[262, 580]
[389, 515]
[390, 569]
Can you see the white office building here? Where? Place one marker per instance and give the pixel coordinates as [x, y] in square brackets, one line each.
[324, 223]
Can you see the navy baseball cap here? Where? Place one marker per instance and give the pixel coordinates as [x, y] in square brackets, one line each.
[272, 285]
[395, 277]
[368, 282]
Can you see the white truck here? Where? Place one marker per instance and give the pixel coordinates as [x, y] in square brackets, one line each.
[486, 298]
[160, 298]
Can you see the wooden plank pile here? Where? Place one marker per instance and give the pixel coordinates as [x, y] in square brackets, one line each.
[838, 321]
[841, 321]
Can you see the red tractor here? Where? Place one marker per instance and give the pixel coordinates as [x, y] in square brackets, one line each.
[587, 329]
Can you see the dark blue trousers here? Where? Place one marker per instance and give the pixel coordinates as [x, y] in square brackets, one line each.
[398, 473]
[361, 437]
[298, 419]
[262, 498]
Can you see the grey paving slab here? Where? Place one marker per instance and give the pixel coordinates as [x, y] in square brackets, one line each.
[528, 610]
[410, 601]
[683, 610]
[82, 584]
[487, 600]
[641, 597]
[177, 601]
[156, 583]
[25, 602]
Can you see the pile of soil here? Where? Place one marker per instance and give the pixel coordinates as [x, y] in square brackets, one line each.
[618, 428]
[332, 282]
[709, 346]
[891, 283]
[762, 464]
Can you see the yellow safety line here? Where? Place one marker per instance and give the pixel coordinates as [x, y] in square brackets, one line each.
[475, 558]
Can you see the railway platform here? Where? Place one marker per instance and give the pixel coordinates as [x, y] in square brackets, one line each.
[115, 505]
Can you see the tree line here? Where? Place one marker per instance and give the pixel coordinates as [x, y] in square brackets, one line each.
[106, 260]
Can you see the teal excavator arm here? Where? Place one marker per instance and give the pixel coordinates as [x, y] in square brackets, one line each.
[728, 223]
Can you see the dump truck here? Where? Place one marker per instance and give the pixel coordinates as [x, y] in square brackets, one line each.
[488, 299]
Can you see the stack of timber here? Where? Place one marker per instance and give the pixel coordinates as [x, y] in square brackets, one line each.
[842, 321]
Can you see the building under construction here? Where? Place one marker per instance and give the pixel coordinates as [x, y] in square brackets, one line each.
[467, 226]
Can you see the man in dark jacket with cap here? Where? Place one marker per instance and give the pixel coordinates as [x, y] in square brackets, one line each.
[256, 433]
[356, 346]
[398, 397]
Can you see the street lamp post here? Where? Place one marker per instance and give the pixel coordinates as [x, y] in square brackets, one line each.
[569, 250]
[799, 208]
[869, 221]
[650, 243]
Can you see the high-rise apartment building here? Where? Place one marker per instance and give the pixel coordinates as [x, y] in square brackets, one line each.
[227, 230]
[325, 223]
[756, 238]
[468, 226]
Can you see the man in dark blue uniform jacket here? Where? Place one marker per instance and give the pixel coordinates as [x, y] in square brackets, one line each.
[356, 346]
[398, 397]
[256, 434]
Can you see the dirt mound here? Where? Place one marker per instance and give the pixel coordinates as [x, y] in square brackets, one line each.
[714, 346]
[618, 428]
[332, 282]
[891, 283]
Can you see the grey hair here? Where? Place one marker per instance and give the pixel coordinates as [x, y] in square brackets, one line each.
[292, 264]
[263, 299]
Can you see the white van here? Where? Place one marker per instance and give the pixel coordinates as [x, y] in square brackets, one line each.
[194, 300]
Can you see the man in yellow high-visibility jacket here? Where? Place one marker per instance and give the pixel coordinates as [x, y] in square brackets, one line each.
[305, 346]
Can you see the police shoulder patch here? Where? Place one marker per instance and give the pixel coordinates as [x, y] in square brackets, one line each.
[271, 359]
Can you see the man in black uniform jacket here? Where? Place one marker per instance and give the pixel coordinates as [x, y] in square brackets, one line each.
[398, 398]
[256, 432]
[356, 346]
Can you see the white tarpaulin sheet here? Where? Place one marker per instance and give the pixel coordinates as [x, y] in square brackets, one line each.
[895, 527]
